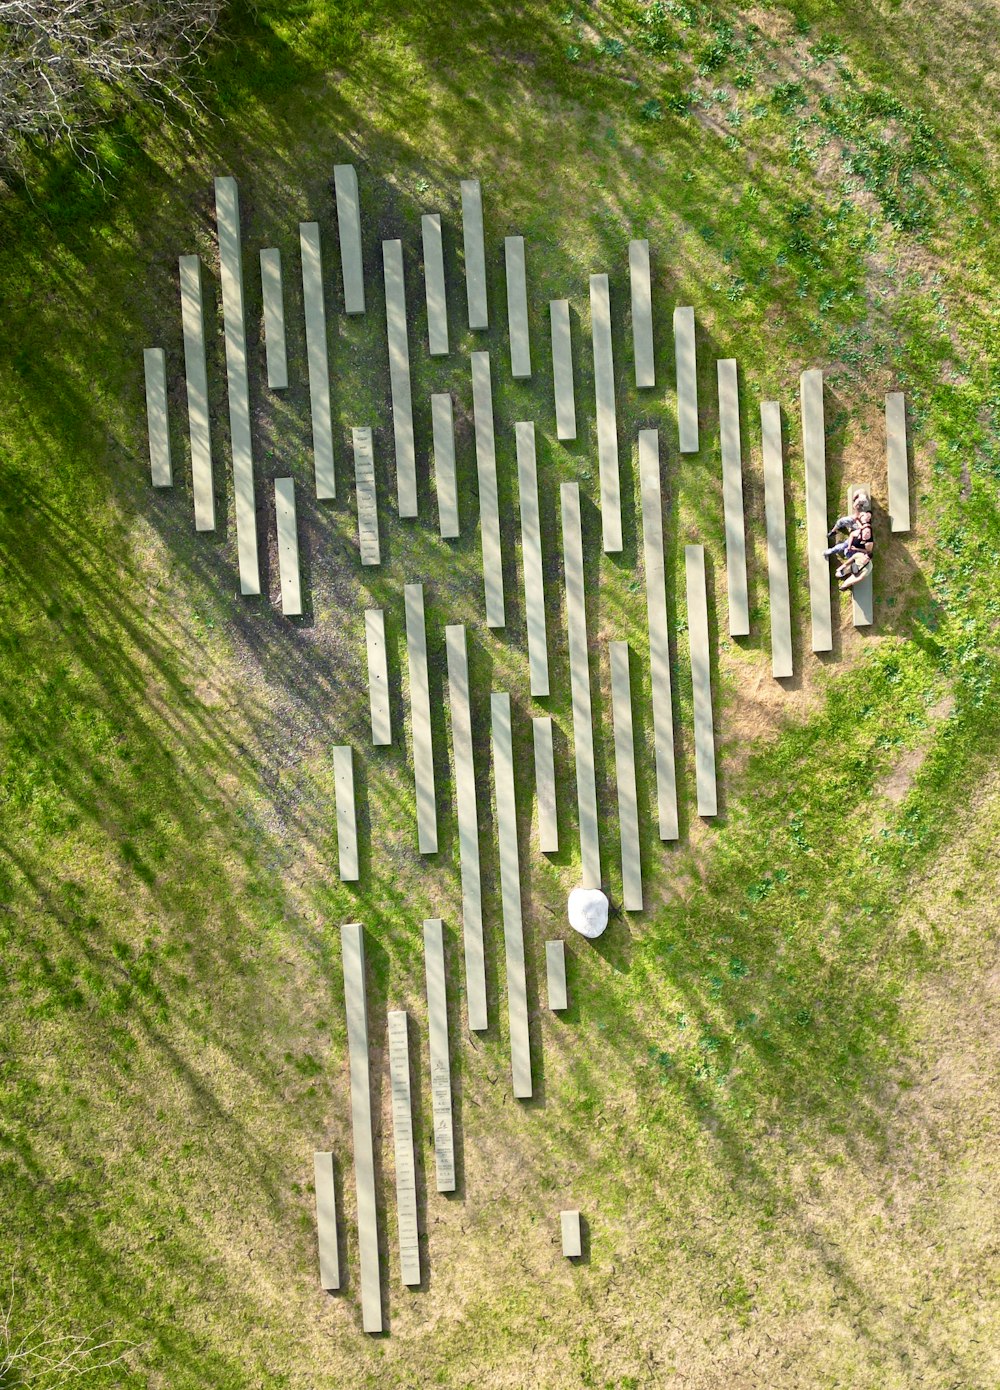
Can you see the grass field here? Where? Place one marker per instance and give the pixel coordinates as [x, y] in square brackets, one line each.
[773, 1096]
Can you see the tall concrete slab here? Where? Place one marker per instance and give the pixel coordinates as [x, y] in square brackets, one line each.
[628, 801]
[862, 595]
[531, 557]
[572, 1234]
[562, 369]
[227, 214]
[814, 449]
[402, 1143]
[364, 483]
[555, 975]
[347, 825]
[154, 362]
[475, 252]
[777, 552]
[345, 186]
[545, 783]
[468, 826]
[701, 679]
[732, 498]
[437, 1035]
[326, 1221]
[489, 506]
[642, 313]
[275, 351]
[445, 480]
[607, 427]
[288, 547]
[399, 377]
[318, 360]
[659, 642]
[579, 668]
[196, 381]
[420, 719]
[686, 358]
[517, 307]
[437, 302]
[510, 895]
[378, 677]
[353, 952]
[896, 461]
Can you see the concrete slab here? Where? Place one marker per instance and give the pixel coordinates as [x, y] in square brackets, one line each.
[345, 184]
[732, 498]
[531, 558]
[434, 287]
[399, 377]
[510, 895]
[628, 801]
[555, 975]
[475, 252]
[686, 357]
[701, 679]
[642, 313]
[288, 547]
[562, 369]
[274, 319]
[402, 1143]
[545, 784]
[517, 307]
[445, 480]
[227, 214]
[489, 507]
[437, 1034]
[896, 461]
[468, 826]
[814, 450]
[326, 1221]
[353, 952]
[607, 427]
[579, 664]
[378, 677]
[572, 1234]
[420, 719]
[154, 361]
[364, 483]
[318, 359]
[347, 826]
[196, 381]
[659, 642]
[862, 595]
[777, 553]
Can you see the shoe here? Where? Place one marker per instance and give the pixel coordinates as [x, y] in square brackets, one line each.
[827, 553]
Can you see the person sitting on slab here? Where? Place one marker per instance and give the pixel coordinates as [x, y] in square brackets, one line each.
[855, 568]
[860, 521]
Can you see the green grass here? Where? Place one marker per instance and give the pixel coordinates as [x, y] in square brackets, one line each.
[740, 1097]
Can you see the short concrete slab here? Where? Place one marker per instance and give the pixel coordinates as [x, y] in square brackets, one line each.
[572, 1234]
[555, 975]
[227, 214]
[445, 481]
[579, 666]
[402, 1142]
[517, 307]
[642, 313]
[437, 302]
[475, 252]
[814, 449]
[347, 825]
[420, 719]
[628, 801]
[378, 677]
[155, 364]
[562, 369]
[196, 381]
[318, 359]
[274, 319]
[896, 461]
[777, 553]
[437, 1034]
[489, 506]
[288, 547]
[326, 1221]
[364, 483]
[732, 498]
[607, 427]
[353, 952]
[468, 826]
[686, 357]
[862, 595]
[659, 642]
[510, 895]
[531, 558]
[345, 185]
[545, 783]
[701, 679]
[399, 377]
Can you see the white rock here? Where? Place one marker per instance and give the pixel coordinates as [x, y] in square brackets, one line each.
[588, 911]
